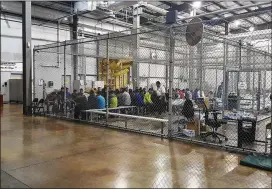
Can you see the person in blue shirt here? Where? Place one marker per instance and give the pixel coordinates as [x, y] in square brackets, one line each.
[139, 98]
[100, 101]
[68, 94]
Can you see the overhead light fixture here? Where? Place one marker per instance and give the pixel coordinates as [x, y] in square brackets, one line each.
[251, 29]
[65, 18]
[197, 4]
[237, 22]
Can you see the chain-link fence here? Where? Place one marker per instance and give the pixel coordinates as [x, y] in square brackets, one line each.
[152, 81]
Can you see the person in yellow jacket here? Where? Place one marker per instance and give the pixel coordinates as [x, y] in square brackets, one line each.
[113, 100]
[148, 101]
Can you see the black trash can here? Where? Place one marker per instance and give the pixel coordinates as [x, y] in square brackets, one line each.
[246, 131]
[232, 101]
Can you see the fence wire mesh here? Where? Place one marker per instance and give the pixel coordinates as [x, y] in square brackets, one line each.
[152, 81]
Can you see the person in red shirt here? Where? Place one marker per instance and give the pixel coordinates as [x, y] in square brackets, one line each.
[182, 93]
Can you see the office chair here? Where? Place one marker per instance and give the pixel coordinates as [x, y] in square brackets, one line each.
[187, 112]
[214, 124]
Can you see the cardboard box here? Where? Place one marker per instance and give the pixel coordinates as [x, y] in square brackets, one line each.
[194, 125]
[188, 132]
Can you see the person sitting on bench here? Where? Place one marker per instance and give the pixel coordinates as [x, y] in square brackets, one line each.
[148, 101]
[113, 100]
[101, 103]
[92, 100]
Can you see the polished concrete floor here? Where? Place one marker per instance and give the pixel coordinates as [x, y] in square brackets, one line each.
[45, 152]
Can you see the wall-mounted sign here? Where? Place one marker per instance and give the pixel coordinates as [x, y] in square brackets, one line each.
[11, 66]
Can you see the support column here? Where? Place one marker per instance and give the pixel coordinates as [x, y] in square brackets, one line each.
[167, 66]
[171, 77]
[135, 46]
[225, 72]
[200, 69]
[75, 47]
[238, 75]
[26, 46]
[97, 59]
[248, 73]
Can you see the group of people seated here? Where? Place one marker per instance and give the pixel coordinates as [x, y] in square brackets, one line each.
[149, 101]
[153, 100]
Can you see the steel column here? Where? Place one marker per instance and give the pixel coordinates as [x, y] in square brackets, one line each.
[171, 69]
[225, 79]
[135, 47]
[238, 75]
[58, 41]
[201, 68]
[166, 41]
[26, 46]
[75, 46]
[107, 80]
[64, 80]
[97, 59]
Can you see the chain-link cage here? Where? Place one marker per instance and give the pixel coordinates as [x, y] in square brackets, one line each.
[216, 92]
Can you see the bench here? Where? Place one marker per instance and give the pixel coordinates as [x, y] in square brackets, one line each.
[117, 108]
[162, 121]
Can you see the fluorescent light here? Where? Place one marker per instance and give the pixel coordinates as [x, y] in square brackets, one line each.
[197, 4]
[251, 29]
[237, 22]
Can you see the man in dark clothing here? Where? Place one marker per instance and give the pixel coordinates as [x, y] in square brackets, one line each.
[74, 94]
[81, 104]
[92, 100]
[81, 93]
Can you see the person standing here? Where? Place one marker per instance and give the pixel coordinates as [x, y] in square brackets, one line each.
[68, 94]
[220, 90]
[160, 102]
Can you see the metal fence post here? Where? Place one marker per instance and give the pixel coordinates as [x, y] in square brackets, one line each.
[201, 66]
[64, 80]
[34, 79]
[224, 96]
[171, 75]
[107, 81]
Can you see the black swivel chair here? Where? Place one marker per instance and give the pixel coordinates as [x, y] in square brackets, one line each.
[187, 112]
[214, 124]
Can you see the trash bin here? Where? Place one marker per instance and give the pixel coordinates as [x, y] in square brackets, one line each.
[246, 131]
[232, 101]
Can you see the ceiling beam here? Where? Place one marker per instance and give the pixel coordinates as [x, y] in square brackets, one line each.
[264, 26]
[232, 12]
[249, 14]
[248, 10]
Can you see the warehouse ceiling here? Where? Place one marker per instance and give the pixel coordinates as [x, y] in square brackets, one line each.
[248, 19]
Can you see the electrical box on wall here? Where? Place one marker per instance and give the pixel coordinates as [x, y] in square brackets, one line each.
[50, 83]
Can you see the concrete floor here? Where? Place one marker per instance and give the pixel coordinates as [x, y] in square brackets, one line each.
[45, 152]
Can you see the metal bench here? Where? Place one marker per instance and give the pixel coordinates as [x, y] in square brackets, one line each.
[162, 121]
